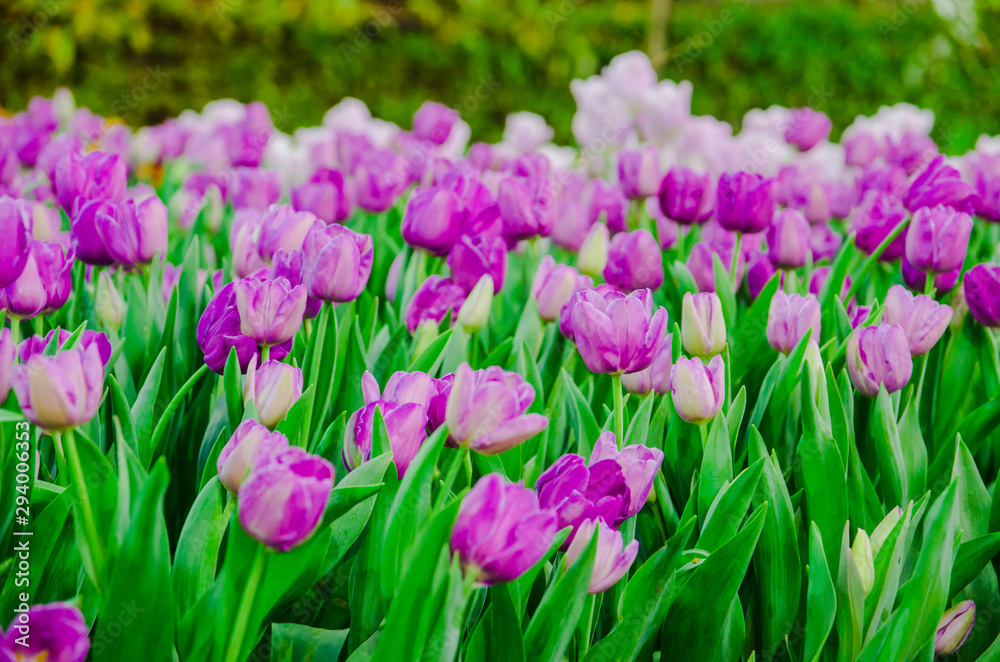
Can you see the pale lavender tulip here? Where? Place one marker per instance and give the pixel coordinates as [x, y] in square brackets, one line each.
[879, 356]
[639, 172]
[554, 284]
[954, 628]
[639, 465]
[613, 558]
[270, 310]
[807, 128]
[487, 410]
[252, 187]
[281, 227]
[618, 333]
[789, 318]
[655, 378]
[337, 263]
[60, 392]
[703, 325]
[273, 388]
[698, 389]
[938, 239]
[923, 319]
[251, 442]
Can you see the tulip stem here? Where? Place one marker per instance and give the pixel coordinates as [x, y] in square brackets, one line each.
[243, 615]
[86, 513]
[735, 262]
[61, 460]
[929, 285]
[616, 388]
[264, 353]
[15, 331]
[920, 384]
[449, 479]
[585, 630]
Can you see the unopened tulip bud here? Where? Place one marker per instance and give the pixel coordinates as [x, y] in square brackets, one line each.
[251, 442]
[788, 239]
[554, 284]
[60, 392]
[475, 312]
[789, 318]
[635, 261]
[703, 326]
[593, 255]
[270, 310]
[884, 528]
[937, 239]
[879, 356]
[923, 319]
[698, 389]
[954, 627]
[613, 558]
[274, 387]
[982, 294]
[861, 550]
[109, 306]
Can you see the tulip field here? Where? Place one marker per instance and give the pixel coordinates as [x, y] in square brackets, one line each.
[682, 391]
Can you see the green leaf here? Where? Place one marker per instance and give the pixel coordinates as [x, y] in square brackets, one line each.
[747, 342]
[552, 626]
[972, 557]
[638, 427]
[821, 598]
[724, 288]
[716, 466]
[430, 359]
[884, 434]
[529, 329]
[724, 517]
[734, 416]
[144, 406]
[822, 475]
[234, 394]
[291, 642]
[850, 602]
[124, 414]
[504, 641]
[581, 417]
[197, 555]
[703, 603]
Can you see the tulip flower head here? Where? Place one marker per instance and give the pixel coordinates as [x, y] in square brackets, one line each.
[788, 239]
[698, 389]
[55, 632]
[789, 318]
[745, 202]
[879, 356]
[617, 333]
[473, 256]
[954, 627]
[686, 197]
[337, 263]
[251, 442]
[273, 387]
[487, 410]
[270, 311]
[554, 284]
[635, 261]
[703, 325]
[219, 331]
[501, 531]
[62, 391]
[937, 239]
[923, 319]
[613, 557]
[283, 499]
[807, 128]
[639, 171]
[576, 492]
[982, 294]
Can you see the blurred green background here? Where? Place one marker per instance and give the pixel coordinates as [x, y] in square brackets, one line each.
[146, 60]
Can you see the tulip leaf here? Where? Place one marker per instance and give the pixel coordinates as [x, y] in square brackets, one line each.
[291, 642]
[124, 414]
[730, 506]
[716, 466]
[293, 423]
[411, 616]
[924, 598]
[884, 434]
[503, 637]
[647, 598]
[529, 329]
[520, 588]
[959, 363]
[430, 359]
[197, 554]
[445, 637]
[705, 597]
[456, 351]
[734, 416]
[724, 288]
[823, 477]
[748, 342]
[146, 605]
[767, 388]
[850, 602]
[528, 369]
[357, 486]
[581, 417]
[210, 470]
[972, 557]
[143, 407]
[821, 598]
[977, 426]
[776, 559]
[499, 355]
[638, 428]
[551, 628]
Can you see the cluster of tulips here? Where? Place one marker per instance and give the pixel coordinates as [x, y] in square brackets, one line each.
[364, 392]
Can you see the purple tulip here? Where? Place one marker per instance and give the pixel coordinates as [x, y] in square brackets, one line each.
[291, 265]
[807, 128]
[281, 227]
[687, 197]
[253, 187]
[566, 314]
[698, 389]
[860, 149]
[824, 242]
[982, 294]
[576, 492]
[618, 333]
[132, 233]
[984, 170]
[639, 464]
[609, 201]
[916, 279]
[44, 284]
[858, 314]
[219, 332]
[527, 208]
[818, 279]
[338, 263]
[889, 180]
[88, 242]
[380, 177]
[703, 326]
[433, 219]
[554, 284]
[940, 184]
[745, 202]
[873, 220]
[501, 532]
[283, 499]
[486, 410]
[15, 233]
[273, 387]
[759, 273]
[36, 344]
[433, 122]
[432, 300]
[635, 261]
[470, 190]
[954, 628]
[639, 172]
[60, 392]
[937, 239]
[911, 152]
[56, 632]
[326, 195]
[923, 319]
[96, 176]
[788, 319]
[243, 236]
[788, 239]
[613, 558]
[879, 356]
[474, 256]
[270, 310]
[249, 445]
[655, 378]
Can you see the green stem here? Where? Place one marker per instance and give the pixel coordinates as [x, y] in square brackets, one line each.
[161, 426]
[920, 384]
[86, 510]
[265, 352]
[449, 478]
[616, 388]
[61, 459]
[243, 616]
[15, 331]
[735, 262]
[929, 285]
[586, 626]
[703, 431]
